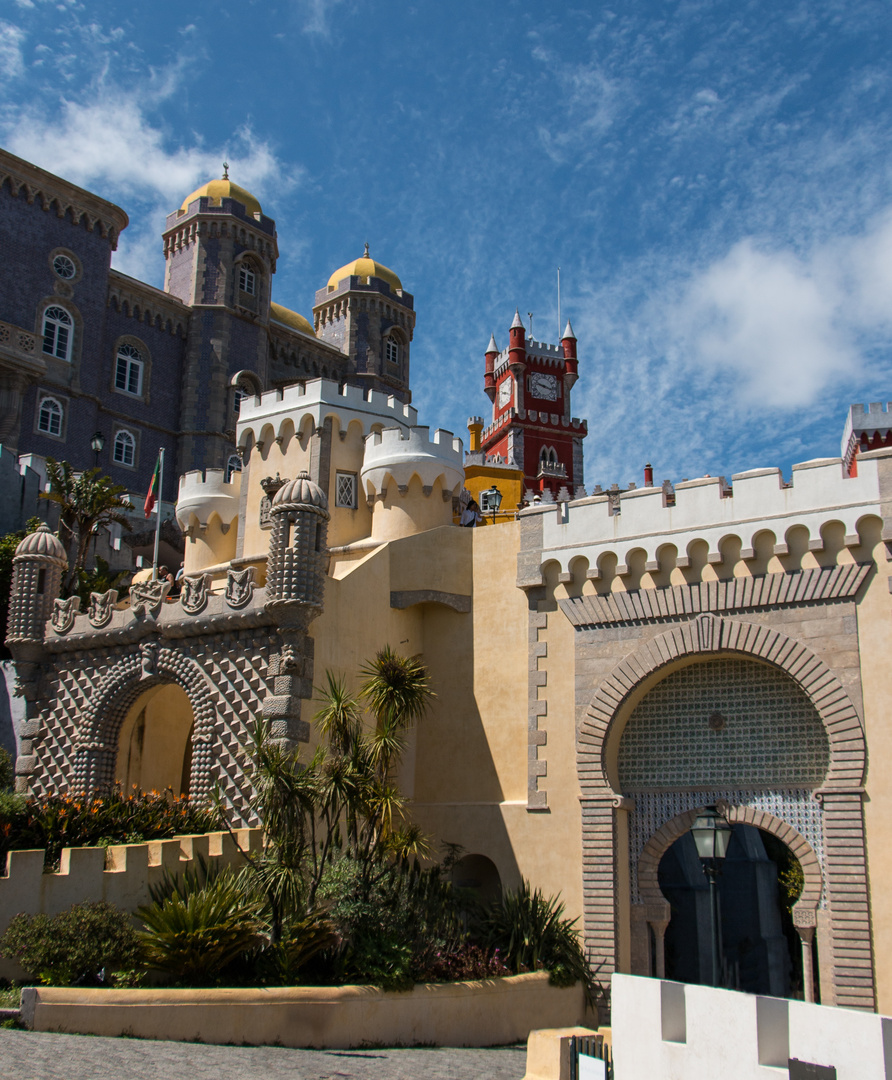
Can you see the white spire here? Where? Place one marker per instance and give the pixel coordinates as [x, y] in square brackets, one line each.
[517, 320]
[492, 347]
[568, 333]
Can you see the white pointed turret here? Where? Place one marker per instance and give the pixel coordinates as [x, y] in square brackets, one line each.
[492, 347]
[518, 323]
[568, 334]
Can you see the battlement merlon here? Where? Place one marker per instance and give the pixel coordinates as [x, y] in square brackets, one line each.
[705, 509]
[876, 417]
[320, 398]
[204, 494]
[391, 453]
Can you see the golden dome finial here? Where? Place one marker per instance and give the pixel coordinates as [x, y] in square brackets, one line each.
[225, 170]
[365, 254]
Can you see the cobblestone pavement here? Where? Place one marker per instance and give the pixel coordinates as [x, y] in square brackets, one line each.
[31, 1055]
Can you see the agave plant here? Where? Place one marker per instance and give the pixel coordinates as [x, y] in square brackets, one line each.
[195, 933]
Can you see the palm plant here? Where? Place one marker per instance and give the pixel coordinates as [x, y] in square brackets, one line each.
[87, 502]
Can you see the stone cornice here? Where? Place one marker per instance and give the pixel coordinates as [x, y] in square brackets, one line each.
[736, 594]
[173, 622]
[145, 303]
[52, 191]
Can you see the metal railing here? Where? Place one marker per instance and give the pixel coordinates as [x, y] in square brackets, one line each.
[597, 1063]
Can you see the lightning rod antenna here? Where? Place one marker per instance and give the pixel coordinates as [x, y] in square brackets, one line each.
[559, 303]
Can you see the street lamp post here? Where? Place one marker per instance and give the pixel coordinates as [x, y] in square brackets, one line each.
[97, 442]
[712, 834]
[494, 500]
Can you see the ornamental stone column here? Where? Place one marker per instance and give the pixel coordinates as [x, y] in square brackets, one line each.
[295, 584]
[37, 568]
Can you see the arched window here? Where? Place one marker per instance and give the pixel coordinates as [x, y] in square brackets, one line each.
[129, 370]
[49, 416]
[58, 328]
[233, 465]
[247, 280]
[125, 448]
[392, 350]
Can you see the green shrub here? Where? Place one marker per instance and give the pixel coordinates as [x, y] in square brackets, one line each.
[531, 934]
[6, 771]
[87, 944]
[194, 934]
[467, 963]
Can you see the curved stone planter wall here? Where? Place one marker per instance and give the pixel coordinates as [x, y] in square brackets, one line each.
[496, 1012]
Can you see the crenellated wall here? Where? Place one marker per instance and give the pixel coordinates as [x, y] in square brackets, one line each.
[207, 512]
[121, 874]
[707, 524]
[319, 399]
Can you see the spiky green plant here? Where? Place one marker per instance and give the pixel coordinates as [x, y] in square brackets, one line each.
[195, 934]
[531, 933]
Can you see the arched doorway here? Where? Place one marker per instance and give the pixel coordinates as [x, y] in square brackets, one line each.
[759, 947]
[478, 874]
[821, 821]
[743, 733]
[155, 741]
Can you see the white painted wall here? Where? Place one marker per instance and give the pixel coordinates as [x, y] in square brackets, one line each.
[670, 1031]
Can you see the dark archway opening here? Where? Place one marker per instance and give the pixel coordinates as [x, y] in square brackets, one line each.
[759, 947]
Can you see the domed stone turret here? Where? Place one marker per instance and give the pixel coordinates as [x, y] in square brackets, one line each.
[38, 565]
[296, 567]
[295, 584]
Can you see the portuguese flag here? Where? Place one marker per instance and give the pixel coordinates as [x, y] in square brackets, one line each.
[153, 487]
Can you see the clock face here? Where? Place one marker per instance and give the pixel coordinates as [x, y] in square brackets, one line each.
[543, 386]
[506, 388]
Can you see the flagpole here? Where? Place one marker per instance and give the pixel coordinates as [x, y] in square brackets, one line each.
[158, 522]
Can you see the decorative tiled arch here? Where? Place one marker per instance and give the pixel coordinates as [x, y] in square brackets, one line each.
[119, 689]
[649, 861]
[705, 635]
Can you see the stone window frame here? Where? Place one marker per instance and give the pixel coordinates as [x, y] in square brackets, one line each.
[344, 480]
[63, 417]
[248, 264]
[145, 360]
[394, 337]
[243, 384]
[66, 253]
[234, 464]
[52, 317]
[57, 366]
[119, 438]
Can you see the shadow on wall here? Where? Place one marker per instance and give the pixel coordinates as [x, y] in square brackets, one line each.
[12, 710]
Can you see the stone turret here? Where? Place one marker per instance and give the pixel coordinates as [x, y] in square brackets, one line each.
[37, 569]
[295, 583]
[38, 565]
[411, 480]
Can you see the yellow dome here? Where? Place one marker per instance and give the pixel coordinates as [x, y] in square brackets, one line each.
[291, 318]
[365, 267]
[216, 190]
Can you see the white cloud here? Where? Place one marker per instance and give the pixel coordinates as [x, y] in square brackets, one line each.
[781, 328]
[316, 14]
[768, 323]
[109, 143]
[12, 63]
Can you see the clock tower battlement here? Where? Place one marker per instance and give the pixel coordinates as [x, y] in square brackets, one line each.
[529, 385]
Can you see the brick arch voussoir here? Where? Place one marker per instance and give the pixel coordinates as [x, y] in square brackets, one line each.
[710, 635]
[120, 688]
[657, 846]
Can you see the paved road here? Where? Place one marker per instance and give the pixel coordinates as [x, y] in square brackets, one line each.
[30, 1055]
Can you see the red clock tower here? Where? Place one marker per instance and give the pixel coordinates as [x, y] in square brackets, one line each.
[529, 385]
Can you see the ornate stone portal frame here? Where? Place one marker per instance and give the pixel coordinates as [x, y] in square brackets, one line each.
[847, 976]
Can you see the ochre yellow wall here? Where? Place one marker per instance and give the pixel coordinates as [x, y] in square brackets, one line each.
[154, 741]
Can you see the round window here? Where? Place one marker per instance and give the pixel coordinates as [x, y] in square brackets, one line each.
[64, 267]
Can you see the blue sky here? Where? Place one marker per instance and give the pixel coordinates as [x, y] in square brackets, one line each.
[714, 179]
